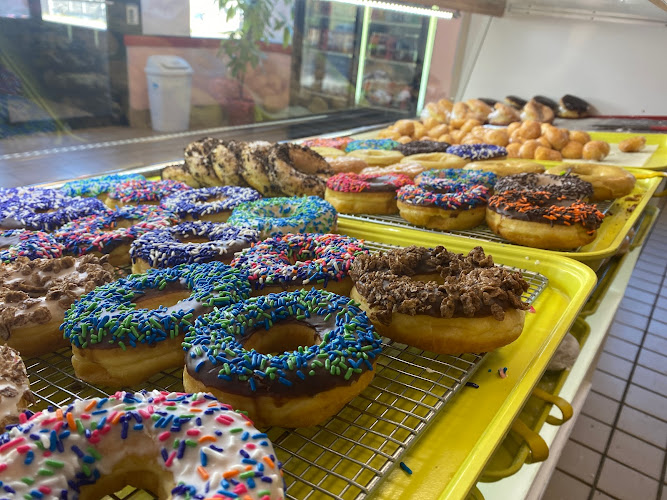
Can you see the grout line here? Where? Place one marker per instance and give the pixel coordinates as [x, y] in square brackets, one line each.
[605, 395]
[624, 340]
[573, 476]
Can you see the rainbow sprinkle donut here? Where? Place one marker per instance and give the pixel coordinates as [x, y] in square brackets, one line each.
[113, 231]
[444, 193]
[276, 216]
[197, 446]
[457, 175]
[182, 244]
[221, 356]
[383, 144]
[301, 260]
[140, 192]
[214, 204]
[331, 142]
[16, 243]
[96, 186]
[476, 152]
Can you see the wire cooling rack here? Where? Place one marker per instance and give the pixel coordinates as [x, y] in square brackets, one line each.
[345, 457]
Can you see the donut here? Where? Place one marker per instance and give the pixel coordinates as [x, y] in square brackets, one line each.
[329, 152]
[535, 111]
[377, 157]
[298, 170]
[503, 114]
[376, 144]
[226, 159]
[423, 146]
[15, 243]
[365, 194]
[561, 185]
[198, 161]
[632, 144]
[345, 163]
[142, 192]
[15, 395]
[609, 182]
[212, 204]
[189, 243]
[326, 349]
[330, 142]
[573, 107]
[440, 301]
[475, 152]
[470, 177]
[295, 261]
[112, 232]
[34, 295]
[515, 102]
[179, 172]
[124, 332]
[436, 160]
[580, 136]
[174, 444]
[443, 204]
[255, 168]
[41, 198]
[546, 101]
[97, 186]
[276, 216]
[542, 219]
[402, 168]
[503, 168]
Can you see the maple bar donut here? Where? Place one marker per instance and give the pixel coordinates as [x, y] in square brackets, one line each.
[124, 332]
[198, 160]
[139, 192]
[365, 193]
[294, 261]
[176, 445]
[212, 204]
[440, 301]
[503, 168]
[298, 170]
[113, 232]
[34, 295]
[276, 216]
[436, 160]
[326, 351]
[226, 159]
[15, 395]
[609, 182]
[97, 186]
[15, 243]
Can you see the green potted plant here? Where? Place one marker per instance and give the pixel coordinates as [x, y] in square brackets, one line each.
[243, 48]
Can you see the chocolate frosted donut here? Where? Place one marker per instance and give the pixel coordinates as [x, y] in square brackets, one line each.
[568, 186]
[419, 147]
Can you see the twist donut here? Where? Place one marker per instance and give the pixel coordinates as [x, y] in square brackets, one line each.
[255, 168]
[226, 159]
[608, 182]
[198, 161]
[298, 170]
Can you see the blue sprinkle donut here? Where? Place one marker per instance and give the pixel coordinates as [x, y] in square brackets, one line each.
[170, 246]
[487, 179]
[213, 204]
[96, 186]
[444, 193]
[385, 144]
[143, 192]
[108, 233]
[301, 260]
[276, 216]
[224, 355]
[110, 318]
[40, 198]
[16, 243]
[45, 212]
[475, 152]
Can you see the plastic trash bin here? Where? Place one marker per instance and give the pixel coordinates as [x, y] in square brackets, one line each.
[169, 81]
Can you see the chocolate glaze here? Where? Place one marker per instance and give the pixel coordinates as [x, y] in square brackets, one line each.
[569, 186]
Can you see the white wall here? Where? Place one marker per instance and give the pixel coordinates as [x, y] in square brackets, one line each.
[620, 68]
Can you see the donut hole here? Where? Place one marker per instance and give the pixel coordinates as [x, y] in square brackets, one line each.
[191, 238]
[165, 298]
[282, 337]
[121, 223]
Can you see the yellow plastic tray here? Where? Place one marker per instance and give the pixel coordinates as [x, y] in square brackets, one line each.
[451, 453]
[657, 161]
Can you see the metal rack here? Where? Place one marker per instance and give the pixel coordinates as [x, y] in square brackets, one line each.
[345, 457]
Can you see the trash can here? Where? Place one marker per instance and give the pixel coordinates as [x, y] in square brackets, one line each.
[169, 81]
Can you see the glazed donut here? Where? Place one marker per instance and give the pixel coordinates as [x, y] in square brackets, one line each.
[326, 346]
[298, 170]
[179, 172]
[345, 163]
[496, 137]
[440, 301]
[276, 216]
[374, 144]
[608, 182]
[573, 107]
[475, 152]
[632, 144]
[97, 186]
[15, 395]
[573, 150]
[330, 142]
[213, 204]
[377, 157]
[443, 204]
[515, 102]
[403, 168]
[365, 194]
[142, 192]
[503, 114]
[174, 444]
[189, 243]
[34, 295]
[420, 147]
[198, 160]
[436, 160]
[15, 243]
[595, 150]
[503, 168]
[561, 185]
[112, 232]
[329, 152]
[255, 168]
[226, 159]
[124, 332]
[295, 261]
[538, 112]
[542, 219]
[580, 136]
[473, 177]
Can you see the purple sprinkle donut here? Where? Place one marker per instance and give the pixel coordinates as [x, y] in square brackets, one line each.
[476, 152]
[17, 243]
[40, 198]
[206, 203]
[487, 179]
[97, 185]
[169, 247]
[445, 194]
[143, 192]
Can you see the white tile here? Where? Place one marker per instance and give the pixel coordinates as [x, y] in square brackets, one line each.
[624, 483]
[636, 454]
[563, 487]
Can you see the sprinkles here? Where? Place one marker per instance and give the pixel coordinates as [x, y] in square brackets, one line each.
[349, 182]
[486, 179]
[206, 203]
[96, 186]
[445, 194]
[142, 191]
[16, 243]
[332, 142]
[476, 152]
[382, 144]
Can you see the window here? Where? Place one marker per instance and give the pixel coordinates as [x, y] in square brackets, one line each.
[208, 21]
[86, 13]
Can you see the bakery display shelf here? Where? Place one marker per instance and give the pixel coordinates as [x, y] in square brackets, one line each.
[620, 216]
[657, 161]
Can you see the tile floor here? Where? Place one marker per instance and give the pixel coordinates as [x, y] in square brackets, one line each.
[618, 447]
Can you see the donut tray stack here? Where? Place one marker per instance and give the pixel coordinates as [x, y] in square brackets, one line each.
[347, 456]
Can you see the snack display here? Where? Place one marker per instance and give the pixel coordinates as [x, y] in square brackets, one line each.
[436, 160]
[212, 204]
[377, 157]
[15, 395]
[179, 172]
[440, 301]
[506, 167]
[125, 331]
[365, 193]
[317, 336]
[609, 182]
[138, 192]
[175, 444]
[15, 243]
[97, 186]
[189, 243]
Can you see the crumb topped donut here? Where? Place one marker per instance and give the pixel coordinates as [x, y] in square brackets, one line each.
[226, 160]
[440, 301]
[198, 158]
[326, 351]
[15, 395]
[212, 204]
[298, 170]
[97, 186]
[353, 193]
[139, 192]
[177, 445]
[15, 243]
